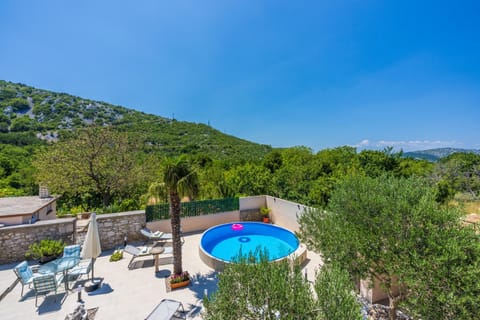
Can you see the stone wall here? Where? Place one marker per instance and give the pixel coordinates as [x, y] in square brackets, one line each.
[14, 240]
[115, 226]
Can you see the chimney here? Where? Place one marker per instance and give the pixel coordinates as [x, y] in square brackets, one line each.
[43, 192]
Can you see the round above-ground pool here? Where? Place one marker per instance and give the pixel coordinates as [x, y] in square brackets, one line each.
[222, 243]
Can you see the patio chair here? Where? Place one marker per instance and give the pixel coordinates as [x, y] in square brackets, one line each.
[166, 310]
[72, 251]
[136, 252]
[25, 274]
[155, 236]
[46, 283]
[83, 267]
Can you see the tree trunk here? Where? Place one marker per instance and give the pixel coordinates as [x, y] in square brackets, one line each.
[176, 237]
[393, 305]
[106, 196]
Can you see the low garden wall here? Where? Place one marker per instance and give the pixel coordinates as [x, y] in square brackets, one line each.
[285, 213]
[114, 227]
[14, 240]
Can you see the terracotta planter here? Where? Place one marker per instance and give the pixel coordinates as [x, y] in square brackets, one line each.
[266, 219]
[179, 284]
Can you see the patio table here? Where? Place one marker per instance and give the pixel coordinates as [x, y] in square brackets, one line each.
[60, 265]
[156, 251]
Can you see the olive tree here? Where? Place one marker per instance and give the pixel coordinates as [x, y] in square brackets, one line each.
[266, 290]
[392, 229]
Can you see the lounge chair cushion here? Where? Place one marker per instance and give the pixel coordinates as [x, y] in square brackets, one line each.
[72, 251]
[157, 234]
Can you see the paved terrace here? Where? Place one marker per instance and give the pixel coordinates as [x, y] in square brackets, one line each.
[126, 294]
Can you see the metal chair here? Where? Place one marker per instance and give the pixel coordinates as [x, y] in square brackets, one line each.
[46, 283]
[24, 274]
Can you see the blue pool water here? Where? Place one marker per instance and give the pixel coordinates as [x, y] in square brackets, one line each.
[224, 243]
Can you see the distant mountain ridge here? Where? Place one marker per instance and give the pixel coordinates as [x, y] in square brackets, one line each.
[28, 111]
[437, 154]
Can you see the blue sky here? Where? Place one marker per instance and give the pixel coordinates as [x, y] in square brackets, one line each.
[314, 73]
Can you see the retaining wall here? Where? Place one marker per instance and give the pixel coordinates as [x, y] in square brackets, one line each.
[14, 240]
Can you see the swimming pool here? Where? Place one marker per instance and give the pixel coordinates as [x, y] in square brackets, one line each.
[222, 243]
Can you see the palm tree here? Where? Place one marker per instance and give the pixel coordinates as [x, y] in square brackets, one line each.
[180, 180]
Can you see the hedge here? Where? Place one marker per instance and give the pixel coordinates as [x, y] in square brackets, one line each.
[193, 208]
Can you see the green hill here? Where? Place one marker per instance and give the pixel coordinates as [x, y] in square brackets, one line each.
[437, 154]
[29, 115]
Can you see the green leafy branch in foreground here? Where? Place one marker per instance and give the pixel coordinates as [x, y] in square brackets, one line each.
[266, 290]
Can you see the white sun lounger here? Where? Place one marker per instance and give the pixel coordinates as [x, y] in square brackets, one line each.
[166, 310]
[156, 236]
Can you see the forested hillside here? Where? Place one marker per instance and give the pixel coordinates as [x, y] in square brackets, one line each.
[108, 158]
[27, 113]
[437, 154]
[32, 118]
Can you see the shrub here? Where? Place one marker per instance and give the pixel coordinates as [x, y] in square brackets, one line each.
[116, 255]
[45, 248]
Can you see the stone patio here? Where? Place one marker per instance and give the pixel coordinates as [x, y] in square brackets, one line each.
[126, 294]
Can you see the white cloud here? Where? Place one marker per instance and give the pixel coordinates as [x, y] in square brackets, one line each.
[362, 144]
[409, 145]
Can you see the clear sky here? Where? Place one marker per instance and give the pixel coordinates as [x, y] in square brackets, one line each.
[314, 73]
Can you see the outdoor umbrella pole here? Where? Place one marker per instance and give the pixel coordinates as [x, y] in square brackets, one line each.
[91, 250]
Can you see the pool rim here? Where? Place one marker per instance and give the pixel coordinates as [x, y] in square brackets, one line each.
[219, 263]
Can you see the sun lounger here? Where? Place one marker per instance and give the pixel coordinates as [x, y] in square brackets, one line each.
[156, 236]
[167, 309]
[136, 252]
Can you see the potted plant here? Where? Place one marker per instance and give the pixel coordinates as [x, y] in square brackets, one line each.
[45, 250]
[179, 280]
[264, 212]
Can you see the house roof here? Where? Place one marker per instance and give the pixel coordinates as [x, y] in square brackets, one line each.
[20, 206]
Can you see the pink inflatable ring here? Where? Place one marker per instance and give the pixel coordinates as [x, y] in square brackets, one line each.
[237, 226]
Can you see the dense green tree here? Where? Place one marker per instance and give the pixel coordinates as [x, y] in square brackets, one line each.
[461, 171]
[180, 179]
[96, 161]
[248, 179]
[16, 172]
[443, 272]
[376, 163]
[273, 161]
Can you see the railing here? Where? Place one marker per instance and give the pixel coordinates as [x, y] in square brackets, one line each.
[192, 208]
